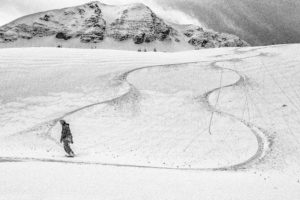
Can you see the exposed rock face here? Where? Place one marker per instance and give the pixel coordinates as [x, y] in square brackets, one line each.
[139, 38]
[95, 25]
[94, 22]
[208, 39]
[61, 35]
[141, 24]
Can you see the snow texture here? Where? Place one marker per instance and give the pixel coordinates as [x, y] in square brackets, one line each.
[208, 124]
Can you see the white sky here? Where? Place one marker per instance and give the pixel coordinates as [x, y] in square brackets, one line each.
[12, 9]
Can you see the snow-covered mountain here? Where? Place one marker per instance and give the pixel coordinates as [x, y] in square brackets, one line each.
[97, 25]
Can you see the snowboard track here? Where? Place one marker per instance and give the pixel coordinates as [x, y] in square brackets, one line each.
[263, 141]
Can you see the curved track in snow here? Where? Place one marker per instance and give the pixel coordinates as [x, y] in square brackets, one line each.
[262, 140]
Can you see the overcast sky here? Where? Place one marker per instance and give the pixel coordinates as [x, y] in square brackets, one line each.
[259, 22]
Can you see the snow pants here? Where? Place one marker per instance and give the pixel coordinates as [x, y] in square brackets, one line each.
[67, 147]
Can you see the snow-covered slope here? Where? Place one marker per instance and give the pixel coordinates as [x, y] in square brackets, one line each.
[208, 124]
[97, 25]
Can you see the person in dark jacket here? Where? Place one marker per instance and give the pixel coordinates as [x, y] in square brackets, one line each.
[66, 137]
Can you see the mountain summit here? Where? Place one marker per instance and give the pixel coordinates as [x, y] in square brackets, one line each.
[97, 25]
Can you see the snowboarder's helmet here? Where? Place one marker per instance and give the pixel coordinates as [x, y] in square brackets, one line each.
[62, 121]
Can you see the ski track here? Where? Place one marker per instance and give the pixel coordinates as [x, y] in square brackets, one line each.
[264, 143]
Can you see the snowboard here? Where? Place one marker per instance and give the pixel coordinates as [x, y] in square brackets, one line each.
[70, 156]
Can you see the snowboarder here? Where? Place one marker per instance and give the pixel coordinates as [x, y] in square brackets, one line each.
[66, 137]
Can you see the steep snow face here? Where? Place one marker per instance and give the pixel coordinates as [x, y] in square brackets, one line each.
[85, 22]
[94, 23]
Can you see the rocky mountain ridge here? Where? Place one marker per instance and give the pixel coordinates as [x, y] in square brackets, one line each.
[94, 22]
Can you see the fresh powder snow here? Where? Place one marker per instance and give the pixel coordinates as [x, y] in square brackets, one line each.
[207, 124]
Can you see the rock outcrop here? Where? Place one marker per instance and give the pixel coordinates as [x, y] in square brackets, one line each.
[200, 38]
[139, 23]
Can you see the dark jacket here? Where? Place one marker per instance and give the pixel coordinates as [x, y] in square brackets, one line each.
[66, 133]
